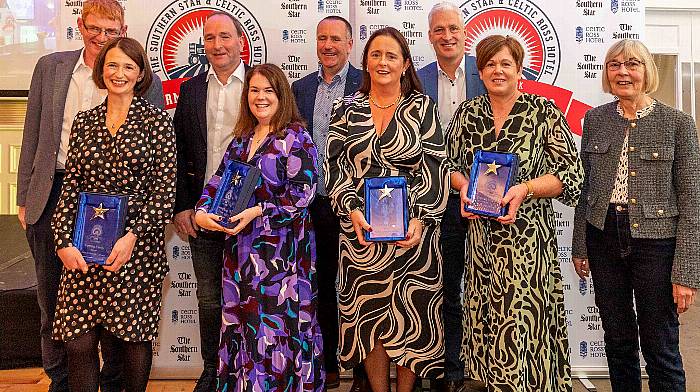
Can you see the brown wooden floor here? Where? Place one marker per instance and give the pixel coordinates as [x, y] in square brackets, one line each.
[34, 380]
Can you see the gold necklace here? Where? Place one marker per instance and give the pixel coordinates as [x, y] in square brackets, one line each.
[373, 102]
[114, 122]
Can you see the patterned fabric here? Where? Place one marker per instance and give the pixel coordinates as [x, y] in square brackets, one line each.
[139, 161]
[515, 325]
[619, 195]
[666, 158]
[326, 94]
[270, 338]
[385, 292]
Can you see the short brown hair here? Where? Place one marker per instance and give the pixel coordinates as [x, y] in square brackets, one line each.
[489, 46]
[134, 50]
[630, 48]
[287, 112]
[236, 23]
[410, 81]
[109, 9]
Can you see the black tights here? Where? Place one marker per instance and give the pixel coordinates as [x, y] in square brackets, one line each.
[84, 362]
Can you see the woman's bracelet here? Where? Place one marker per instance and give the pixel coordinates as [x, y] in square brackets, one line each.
[530, 190]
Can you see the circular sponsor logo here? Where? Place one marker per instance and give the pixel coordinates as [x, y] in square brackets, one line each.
[175, 44]
[524, 21]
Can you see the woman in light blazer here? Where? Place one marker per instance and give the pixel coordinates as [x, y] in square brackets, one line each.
[637, 223]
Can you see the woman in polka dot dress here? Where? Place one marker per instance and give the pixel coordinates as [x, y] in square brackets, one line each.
[123, 146]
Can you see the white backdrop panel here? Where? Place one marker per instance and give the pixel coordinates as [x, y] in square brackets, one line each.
[565, 45]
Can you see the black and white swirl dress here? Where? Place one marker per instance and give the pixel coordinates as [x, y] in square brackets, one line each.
[385, 292]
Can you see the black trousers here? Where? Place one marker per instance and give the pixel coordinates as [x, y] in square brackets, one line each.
[207, 262]
[633, 292]
[327, 228]
[453, 235]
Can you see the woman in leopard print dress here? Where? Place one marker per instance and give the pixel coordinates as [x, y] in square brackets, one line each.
[516, 338]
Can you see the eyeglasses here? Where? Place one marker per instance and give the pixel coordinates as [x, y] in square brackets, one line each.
[94, 30]
[631, 65]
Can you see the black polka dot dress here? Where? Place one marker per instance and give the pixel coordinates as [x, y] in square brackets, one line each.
[139, 161]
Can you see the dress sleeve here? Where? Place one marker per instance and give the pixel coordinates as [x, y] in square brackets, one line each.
[428, 188]
[160, 194]
[300, 182]
[561, 156]
[63, 220]
[340, 184]
[579, 235]
[686, 166]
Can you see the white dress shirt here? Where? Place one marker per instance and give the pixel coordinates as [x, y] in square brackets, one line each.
[451, 93]
[82, 95]
[223, 104]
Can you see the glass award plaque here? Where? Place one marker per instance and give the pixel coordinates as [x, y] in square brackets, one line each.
[491, 176]
[100, 222]
[386, 208]
[238, 182]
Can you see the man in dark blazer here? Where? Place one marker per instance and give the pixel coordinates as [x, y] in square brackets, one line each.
[449, 81]
[206, 113]
[314, 96]
[61, 86]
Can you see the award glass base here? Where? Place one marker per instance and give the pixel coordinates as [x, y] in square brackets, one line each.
[238, 182]
[491, 176]
[386, 208]
[99, 223]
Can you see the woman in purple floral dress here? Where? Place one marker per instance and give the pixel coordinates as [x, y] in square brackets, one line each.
[270, 337]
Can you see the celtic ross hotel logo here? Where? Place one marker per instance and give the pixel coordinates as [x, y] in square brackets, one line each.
[527, 23]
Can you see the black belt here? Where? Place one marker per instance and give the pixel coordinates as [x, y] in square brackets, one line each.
[619, 208]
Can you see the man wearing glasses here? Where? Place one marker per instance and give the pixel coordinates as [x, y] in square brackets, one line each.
[62, 86]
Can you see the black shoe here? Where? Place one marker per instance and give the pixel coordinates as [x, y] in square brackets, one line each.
[360, 383]
[450, 385]
[332, 380]
[206, 382]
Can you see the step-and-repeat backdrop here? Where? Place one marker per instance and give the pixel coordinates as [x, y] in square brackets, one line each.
[565, 44]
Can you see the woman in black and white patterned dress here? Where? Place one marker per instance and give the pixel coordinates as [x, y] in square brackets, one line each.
[123, 146]
[389, 294]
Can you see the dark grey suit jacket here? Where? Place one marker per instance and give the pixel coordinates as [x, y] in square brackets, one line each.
[664, 192]
[42, 128]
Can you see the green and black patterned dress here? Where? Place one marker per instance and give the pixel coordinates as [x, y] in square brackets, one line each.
[515, 324]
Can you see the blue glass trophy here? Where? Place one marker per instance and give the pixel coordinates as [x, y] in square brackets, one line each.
[491, 176]
[238, 182]
[386, 208]
[100, 222]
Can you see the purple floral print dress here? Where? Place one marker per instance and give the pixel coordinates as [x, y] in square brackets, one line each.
[270, 337]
